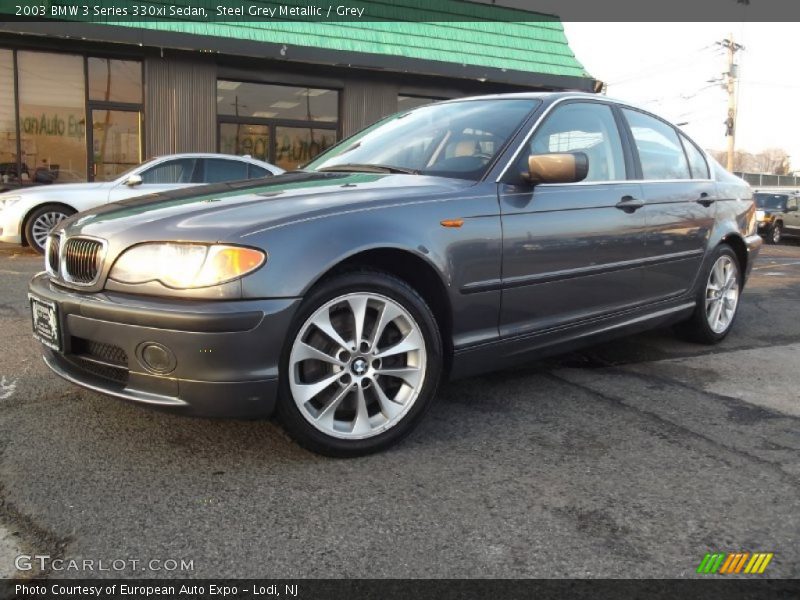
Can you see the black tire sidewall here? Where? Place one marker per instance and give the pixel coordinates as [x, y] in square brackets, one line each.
[38, 212]
[368, 282]
[776, 227]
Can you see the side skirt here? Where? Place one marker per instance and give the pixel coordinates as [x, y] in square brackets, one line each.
[529, 347]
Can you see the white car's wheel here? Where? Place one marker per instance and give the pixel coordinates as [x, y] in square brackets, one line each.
[41, 222]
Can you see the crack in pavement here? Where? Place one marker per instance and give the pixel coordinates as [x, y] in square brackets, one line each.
[677, 427]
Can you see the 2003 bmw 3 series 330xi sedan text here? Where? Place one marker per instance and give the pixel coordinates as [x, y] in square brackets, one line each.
[444, 241]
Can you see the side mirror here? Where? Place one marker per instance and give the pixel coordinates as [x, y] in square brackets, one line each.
[567, 167]
[133, 180]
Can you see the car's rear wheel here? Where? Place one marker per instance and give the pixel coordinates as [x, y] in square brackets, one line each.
[41, 222]
[717, 299]
[775, 233]
[361, 365]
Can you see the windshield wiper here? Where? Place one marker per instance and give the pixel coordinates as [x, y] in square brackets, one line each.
[367, 168]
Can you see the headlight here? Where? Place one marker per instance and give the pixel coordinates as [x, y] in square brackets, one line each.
[8, 201]
[182, 265]
[760, 214]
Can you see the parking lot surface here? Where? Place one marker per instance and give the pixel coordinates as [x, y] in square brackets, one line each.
[629, 459]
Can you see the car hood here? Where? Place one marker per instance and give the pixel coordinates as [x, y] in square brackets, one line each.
[230, 210]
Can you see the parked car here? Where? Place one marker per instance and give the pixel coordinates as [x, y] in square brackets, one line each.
[445, 241]
[28, 215]
[777, 215]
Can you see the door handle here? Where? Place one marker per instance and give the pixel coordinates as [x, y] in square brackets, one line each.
[705, 200]
[629, 204]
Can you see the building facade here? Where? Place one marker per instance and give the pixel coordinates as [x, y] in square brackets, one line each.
[87, 101]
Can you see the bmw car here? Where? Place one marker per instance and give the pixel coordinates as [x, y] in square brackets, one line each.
[439, 243]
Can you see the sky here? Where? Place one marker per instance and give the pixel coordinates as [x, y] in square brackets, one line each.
[666, 68]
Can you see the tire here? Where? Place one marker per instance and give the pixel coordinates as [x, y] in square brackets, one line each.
[717, 299]
[40, 223]
[379, 391]
[775, 233]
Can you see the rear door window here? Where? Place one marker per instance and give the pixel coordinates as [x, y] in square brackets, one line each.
[218, 170]
[660, 151]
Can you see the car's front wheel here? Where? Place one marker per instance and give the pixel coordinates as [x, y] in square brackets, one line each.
[717, 299]
[41, 222]
[361, 365]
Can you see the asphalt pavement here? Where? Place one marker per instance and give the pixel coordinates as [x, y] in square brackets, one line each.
[629, 459]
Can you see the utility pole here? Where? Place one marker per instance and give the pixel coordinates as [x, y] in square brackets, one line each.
[731, 77]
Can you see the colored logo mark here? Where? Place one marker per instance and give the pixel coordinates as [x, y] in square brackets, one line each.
[733, 563]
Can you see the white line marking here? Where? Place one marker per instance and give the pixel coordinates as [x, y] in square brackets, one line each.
[7, 388]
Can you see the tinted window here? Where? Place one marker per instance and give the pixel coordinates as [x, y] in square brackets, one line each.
[773, 201]
[219, 170]
[172, 171]
[255, 172]
[660, 150]
[696, 161]
[582, 127]
[792, 203]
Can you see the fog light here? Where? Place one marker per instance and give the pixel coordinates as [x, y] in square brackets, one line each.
[156, 357]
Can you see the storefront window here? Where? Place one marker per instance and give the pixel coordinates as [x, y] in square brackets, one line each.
[242, 138]
[8, 127]
[295, 146]
[115, 137]
[52, 117]
[115, 80]
[242, 99]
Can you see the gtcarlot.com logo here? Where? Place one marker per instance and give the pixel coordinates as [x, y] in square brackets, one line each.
[44, 562]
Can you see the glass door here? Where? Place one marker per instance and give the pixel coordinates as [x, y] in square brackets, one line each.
[116, 142]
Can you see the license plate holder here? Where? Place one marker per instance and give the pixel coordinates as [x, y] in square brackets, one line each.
[44, 316]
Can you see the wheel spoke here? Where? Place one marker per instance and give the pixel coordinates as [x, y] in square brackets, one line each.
[389, 407]
[305, 351]
[411, 375]
[305, 392]
[410, 343]
[361, 424]
[325, 416]
[322, 321]
[715, 314]
[358, 305]
[388, 314]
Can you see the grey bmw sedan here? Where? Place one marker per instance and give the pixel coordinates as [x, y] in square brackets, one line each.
[440, 242]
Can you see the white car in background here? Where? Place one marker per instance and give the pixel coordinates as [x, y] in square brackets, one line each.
[28, 215]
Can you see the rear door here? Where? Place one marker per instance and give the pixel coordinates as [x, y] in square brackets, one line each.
[168, 175]
[791, 220]
[571, 251]
[680, 203]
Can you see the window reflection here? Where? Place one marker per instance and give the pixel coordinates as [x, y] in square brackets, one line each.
[243, 99]
[295, 146]
[115, 141]
[241, 138]
[115, 80]
[51, 117]
[8, 128]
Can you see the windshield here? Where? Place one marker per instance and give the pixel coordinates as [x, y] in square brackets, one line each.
[773, 201]
[454, 139]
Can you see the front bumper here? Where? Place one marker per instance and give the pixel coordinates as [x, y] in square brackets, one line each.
[226, 353]
[10, 226]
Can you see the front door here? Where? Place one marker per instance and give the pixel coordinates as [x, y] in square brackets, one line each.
[572, 251]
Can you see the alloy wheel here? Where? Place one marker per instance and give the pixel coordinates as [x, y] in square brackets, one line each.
[722, 294]
[44, 224]
[357, 365]
[776, 234]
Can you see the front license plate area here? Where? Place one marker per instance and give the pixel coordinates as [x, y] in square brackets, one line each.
[45, 322]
